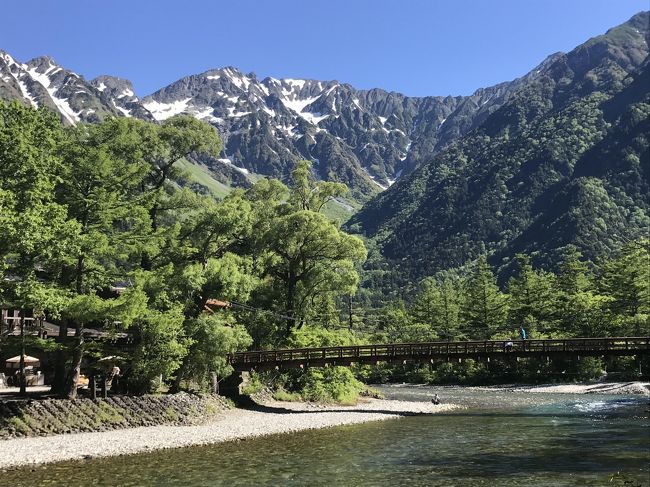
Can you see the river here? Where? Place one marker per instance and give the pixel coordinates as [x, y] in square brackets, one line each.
[499, 438]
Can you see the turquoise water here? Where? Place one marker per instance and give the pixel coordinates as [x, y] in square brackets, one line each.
[501, 438]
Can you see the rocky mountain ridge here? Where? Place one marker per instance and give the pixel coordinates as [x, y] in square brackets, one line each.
[367, 139]
[364, 138]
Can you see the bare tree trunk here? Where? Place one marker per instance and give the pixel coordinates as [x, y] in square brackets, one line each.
[75, 371]
[350, 312]
[22, 379]
[291, 292]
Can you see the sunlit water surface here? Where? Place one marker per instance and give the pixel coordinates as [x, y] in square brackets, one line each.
[500, 438]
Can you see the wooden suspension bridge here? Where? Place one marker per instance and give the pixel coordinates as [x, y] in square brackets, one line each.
[435, 351]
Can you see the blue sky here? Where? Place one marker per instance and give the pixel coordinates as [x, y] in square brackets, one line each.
[417, 47]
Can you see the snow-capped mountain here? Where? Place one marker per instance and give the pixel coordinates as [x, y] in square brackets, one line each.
[364, 138]
[41, 82]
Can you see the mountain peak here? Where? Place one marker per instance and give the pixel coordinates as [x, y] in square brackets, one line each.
[116, 87]
[41, 62]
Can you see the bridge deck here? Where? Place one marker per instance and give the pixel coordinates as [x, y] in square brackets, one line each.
[423, 352]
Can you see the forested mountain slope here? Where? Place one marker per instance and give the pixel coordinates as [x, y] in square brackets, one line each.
[565, 160]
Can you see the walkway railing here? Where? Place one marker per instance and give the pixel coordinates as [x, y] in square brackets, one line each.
[318, 357]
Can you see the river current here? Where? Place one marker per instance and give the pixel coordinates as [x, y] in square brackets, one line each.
[499, 438]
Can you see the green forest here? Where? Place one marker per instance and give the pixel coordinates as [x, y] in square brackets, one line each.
[565, 161]
[102, 230]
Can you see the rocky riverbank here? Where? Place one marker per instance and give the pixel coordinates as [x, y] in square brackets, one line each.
[234, 424]
[59, 416]
[636, 387]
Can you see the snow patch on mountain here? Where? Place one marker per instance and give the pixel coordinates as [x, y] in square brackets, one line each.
[228, 162]
[13, 65]
[163, 111]
[124, 111]
[26, 93]
[126, 92]
[61, 103]
[384, 188]
[239, 80]
[297, 105]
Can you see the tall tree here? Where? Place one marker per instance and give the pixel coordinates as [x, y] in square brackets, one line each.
[438, 305]
[533, 300]
[310, 260]
[99, 188]
[307, 193]
[176, 138]
[484, 308]
[625, 279]
[35, 235]
[581, 310]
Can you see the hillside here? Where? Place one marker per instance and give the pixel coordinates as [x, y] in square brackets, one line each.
[564, 161]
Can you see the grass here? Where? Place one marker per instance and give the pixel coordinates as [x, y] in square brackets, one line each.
[202, 176]
[19, 425]
[282, 395]
[340, 210]
[171, 414]
[109, 414]
[253, 386]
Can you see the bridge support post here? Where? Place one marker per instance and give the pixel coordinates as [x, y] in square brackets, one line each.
[232, 386]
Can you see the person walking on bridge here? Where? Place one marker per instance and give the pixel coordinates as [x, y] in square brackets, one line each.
[522, 334]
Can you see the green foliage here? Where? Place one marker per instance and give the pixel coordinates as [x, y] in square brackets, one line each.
[307, 261]
[332, 384]
[438, 305]
[35, 232]
[624, 280]
[213, 338]
[306, 194]
[484, 307]
[533, 299]
[590, 368]
[254, 385]
[159, 351]
[282, 395]
[313, 337]
[564, 161]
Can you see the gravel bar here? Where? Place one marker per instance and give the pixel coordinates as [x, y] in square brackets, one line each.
[231, 425]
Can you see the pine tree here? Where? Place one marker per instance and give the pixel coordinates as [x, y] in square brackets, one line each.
[438, 306]
[484, 308]
[624, 280]
[533, 302]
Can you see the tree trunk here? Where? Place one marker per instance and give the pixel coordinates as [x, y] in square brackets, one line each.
[75, 371]
[180, 374]
[58, 383]
[291, 296]
[350, 321]
[22, 379]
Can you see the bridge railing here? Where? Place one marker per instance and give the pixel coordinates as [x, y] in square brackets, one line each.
[439, 349]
